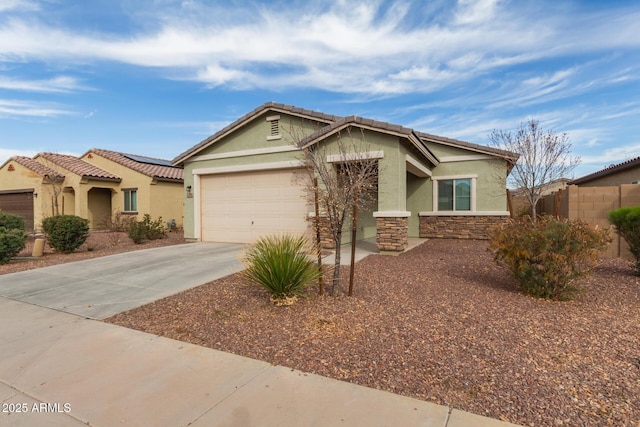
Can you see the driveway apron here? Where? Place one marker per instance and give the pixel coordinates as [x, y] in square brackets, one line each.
[101, 287]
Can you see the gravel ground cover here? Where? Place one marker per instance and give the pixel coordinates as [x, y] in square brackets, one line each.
[440, 323]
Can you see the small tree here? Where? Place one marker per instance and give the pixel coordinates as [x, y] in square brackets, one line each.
[54, 183]
[544, 157]
[348, 182]
[627, 223]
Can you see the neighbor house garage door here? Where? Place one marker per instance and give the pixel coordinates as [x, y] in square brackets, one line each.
[242, 207]
[18, 203]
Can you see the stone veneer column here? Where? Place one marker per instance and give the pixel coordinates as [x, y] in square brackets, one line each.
[392, 231]
[326, 238]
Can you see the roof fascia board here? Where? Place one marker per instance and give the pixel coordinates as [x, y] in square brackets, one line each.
[242, 122]
[621, 167]
[477, 148]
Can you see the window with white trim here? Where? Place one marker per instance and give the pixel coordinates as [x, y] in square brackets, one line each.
[130, 199]
[454, 194]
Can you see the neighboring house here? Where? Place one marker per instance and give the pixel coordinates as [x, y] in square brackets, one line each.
[627, 172]
[95, 187]
[520, 203]
[148, 185]
[243, 181]
[25, 186]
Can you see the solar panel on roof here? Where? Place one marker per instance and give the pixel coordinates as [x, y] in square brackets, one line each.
[148, 160]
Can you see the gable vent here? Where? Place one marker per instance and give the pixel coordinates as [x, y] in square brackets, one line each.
[274, 123]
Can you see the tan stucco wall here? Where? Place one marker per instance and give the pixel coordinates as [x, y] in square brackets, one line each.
[77, 202]
[22, 178]
[158, 199]
[167, 201]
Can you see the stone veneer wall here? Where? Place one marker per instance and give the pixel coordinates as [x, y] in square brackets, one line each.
[458, 227]
[392, 233]
[326, 239]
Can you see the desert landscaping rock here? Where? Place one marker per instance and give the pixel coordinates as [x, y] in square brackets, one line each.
[440, 323]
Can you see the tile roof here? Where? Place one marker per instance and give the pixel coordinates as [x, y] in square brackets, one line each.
[371, 124]
[157, 170]
[36, 167]
[628, 164]
[79, 167]
[334, 122]
[463, 144]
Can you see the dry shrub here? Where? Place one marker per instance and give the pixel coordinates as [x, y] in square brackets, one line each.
[548, 255]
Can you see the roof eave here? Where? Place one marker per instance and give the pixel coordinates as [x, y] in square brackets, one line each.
[268, 106]
[101, 178]
[512, 157]
[164, 179]
[606, 172]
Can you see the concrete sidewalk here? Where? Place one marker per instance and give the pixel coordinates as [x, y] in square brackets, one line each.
[65, 370]
[364, 248]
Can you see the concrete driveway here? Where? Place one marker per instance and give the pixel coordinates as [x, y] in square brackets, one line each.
[101, 287]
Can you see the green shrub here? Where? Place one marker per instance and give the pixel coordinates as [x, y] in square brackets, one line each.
[12, 241]
[548, 255]
[627, 223]
[65, 233]
[280, 264]
[138, 231]
[11, 221]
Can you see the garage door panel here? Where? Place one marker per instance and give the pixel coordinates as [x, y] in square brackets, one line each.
[243, 207]
[19, 203]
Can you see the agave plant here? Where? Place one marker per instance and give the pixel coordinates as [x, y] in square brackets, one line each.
[280, 264]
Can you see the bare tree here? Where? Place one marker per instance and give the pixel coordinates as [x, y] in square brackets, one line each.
[544, 157]
[344, 184]
[54, 183]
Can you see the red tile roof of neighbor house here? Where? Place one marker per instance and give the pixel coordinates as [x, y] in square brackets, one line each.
[149, 166]
[332, 122]
[36, 167]
[631, 163]
[79, 167]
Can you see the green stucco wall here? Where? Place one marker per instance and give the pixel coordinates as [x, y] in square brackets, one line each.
[490, 184]
[398, 190]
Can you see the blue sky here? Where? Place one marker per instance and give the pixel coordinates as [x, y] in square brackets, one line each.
[155, 77]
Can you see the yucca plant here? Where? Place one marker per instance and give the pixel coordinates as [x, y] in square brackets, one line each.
[280, 264]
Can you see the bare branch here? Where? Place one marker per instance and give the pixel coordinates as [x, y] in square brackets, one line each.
[544, 157]
[350, 179]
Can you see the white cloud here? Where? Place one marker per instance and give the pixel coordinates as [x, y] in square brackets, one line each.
[20, 108]
[351, 47]
[7, 153]
[17, 5]
[55, 84]
[612, 155]
[475, 11]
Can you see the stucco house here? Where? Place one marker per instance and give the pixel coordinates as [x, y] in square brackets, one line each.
[94, 186]
[243, 182]
[627, 172]
[24, 189]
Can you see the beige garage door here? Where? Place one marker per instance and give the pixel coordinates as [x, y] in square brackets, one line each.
[242, 207]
